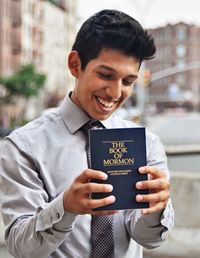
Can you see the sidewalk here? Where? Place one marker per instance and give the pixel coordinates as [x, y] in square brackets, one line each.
[182, 243]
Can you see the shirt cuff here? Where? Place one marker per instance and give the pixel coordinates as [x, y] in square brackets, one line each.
[164, 218]
[167, 220]
[54, 215]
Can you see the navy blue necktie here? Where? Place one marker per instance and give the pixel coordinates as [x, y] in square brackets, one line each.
[102, 239]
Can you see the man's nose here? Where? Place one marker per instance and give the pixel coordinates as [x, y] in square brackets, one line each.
[114, 90]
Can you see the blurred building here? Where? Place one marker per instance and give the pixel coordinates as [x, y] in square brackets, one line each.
[39, 32]
[178, 46]
[10, 34]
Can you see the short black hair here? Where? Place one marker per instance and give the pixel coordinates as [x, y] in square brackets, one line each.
[115, 30]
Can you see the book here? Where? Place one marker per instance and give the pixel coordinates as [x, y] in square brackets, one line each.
[119, 152]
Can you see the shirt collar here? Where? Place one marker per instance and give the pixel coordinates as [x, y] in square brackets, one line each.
[74, 117]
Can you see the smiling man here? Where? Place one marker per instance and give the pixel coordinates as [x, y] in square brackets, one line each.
[105, 83]
[45, 180]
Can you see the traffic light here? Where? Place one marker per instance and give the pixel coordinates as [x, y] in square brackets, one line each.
[147, 77]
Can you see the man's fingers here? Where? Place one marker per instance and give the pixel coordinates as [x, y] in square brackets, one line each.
[154, 172]
[157, 207]
[156, 184]
[96, 203]
[89, 174]
[91, 187]
[153, 197]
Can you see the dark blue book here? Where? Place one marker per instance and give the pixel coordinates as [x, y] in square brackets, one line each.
[119, 153]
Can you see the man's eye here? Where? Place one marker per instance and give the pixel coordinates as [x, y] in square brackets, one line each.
[127, 82]
[105, 76]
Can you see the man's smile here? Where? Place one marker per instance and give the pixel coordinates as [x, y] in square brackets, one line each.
[105, 103]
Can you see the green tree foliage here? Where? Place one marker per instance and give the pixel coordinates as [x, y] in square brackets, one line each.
[26, 83]
[56, 2]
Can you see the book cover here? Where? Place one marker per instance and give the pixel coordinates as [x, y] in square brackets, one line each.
[119, 153]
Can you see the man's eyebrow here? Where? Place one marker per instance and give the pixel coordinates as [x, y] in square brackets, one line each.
[107, 68]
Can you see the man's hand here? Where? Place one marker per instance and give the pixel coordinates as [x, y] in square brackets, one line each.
[77, 197]
[158, 184]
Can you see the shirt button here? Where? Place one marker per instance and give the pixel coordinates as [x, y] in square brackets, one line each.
[57, 215]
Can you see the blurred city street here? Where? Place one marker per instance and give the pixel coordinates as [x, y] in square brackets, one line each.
[176, 128]
[180, 135]
[179, 132]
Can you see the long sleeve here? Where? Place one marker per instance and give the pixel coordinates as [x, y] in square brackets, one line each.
[150, 230]
[35, 225]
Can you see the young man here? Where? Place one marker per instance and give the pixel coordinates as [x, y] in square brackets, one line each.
[45, 180]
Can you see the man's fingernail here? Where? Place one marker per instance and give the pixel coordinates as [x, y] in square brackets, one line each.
[144, 211]
[110, 188]
[141, 169]
[104, 176]
[139, 198]
[139, 185]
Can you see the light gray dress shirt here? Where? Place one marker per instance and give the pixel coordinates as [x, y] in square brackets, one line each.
[38, 162]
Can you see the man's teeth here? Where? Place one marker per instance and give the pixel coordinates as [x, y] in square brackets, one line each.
[106, 103]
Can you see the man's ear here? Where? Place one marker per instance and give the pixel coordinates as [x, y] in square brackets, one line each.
[74, 63]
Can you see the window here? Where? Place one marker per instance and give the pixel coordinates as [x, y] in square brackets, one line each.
[181, 33]
[180, 51]
[180, 63]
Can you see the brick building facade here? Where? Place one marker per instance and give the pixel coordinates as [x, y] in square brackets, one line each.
[178, 46]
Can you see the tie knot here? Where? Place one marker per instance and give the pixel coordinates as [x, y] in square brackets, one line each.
[92, 124]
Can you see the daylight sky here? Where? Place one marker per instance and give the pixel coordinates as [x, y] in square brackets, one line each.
[151, 13]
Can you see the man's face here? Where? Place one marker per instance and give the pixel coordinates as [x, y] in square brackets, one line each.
[105, 83]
